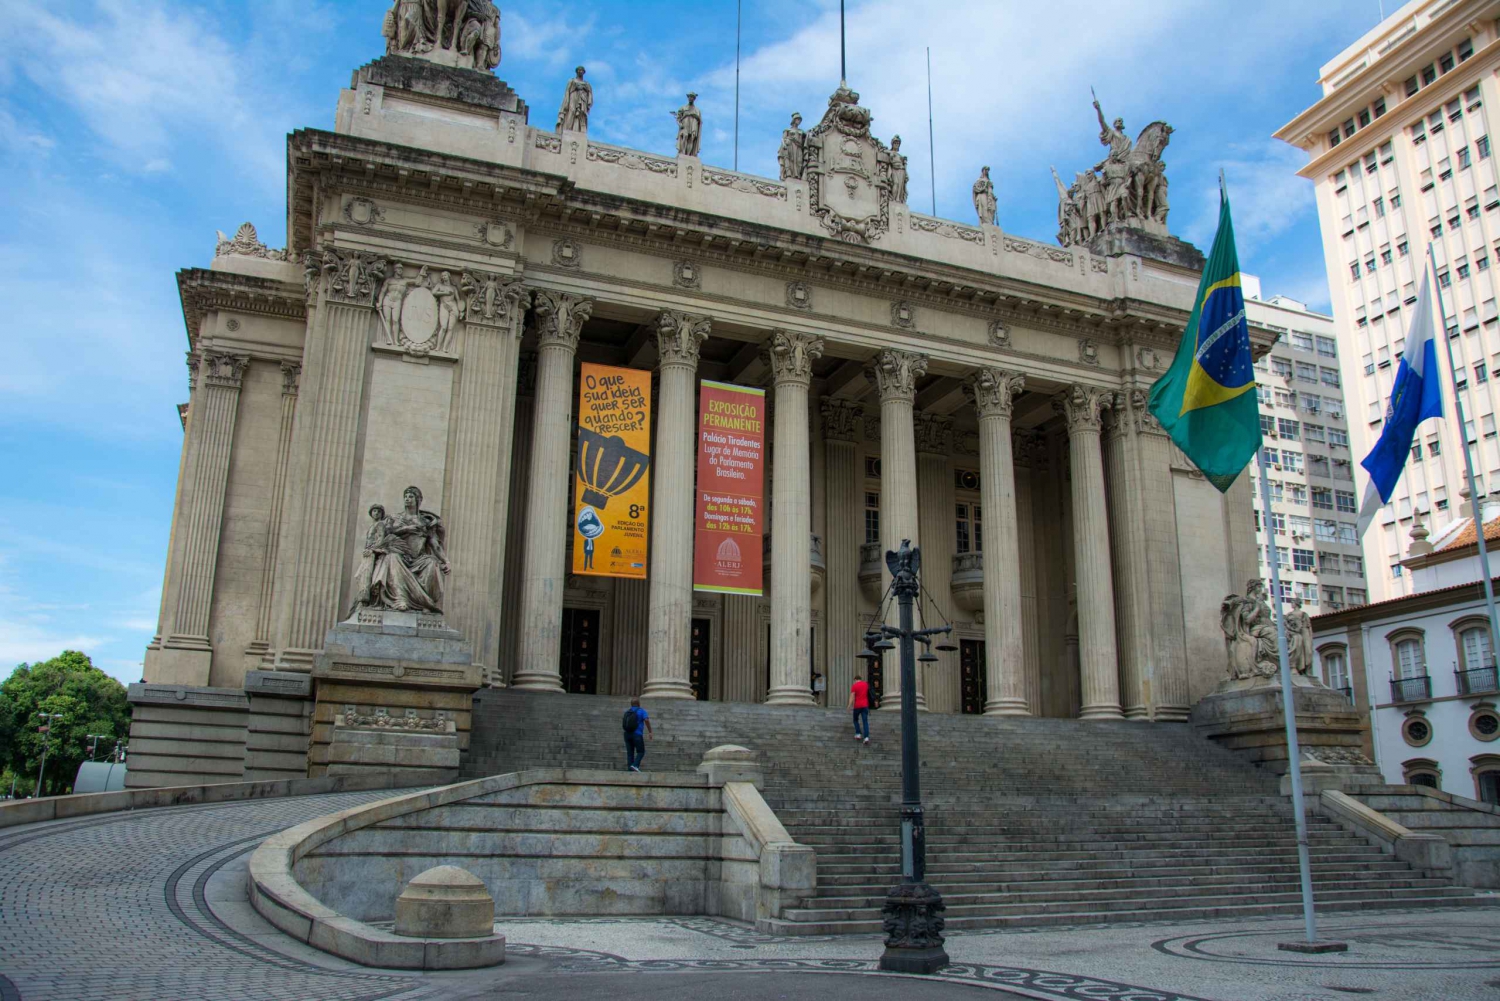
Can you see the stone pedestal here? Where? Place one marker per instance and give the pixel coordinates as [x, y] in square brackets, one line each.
[1246, 716]
[1123, 239]
[393, 694]
[445, 902]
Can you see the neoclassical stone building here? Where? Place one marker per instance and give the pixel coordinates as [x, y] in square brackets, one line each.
[976, 392]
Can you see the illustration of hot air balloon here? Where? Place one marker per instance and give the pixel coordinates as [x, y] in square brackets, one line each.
[607, 466]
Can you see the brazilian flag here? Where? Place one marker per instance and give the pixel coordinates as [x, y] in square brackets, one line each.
[1206, 401]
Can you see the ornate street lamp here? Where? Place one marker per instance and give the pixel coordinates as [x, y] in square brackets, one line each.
[913, 911]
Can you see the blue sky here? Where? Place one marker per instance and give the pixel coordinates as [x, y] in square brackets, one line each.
[131, 130]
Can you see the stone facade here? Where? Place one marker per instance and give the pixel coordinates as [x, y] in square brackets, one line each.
[449, 265]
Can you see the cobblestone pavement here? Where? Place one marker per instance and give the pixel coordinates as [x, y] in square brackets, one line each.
[151, 906]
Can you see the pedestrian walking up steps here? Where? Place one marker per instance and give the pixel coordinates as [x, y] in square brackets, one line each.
[1030, 822]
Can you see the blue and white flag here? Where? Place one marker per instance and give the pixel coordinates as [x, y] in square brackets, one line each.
[1415, 396]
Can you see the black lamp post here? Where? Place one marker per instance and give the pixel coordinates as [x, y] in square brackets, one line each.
[913, 911]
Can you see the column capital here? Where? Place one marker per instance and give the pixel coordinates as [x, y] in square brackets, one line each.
[789, 356]
[194, 361]
[354, 276]
[894, 374]
[224, 369]
[493, 300]
[1083, 407]
[679, 336]
[560, 317]
[934, 434]
[842, 419]
[1145, 420]
[993, 391]
[291, 377]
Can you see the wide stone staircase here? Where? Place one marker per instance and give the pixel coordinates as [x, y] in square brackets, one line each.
[1029, 821]
[1471, 828]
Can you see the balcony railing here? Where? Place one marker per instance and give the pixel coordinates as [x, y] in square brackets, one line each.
[1411, 689]
[1479, 681]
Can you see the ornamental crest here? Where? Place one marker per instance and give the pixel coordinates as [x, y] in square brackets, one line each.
[848, 172]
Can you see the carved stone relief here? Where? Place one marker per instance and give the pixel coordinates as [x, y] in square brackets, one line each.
[842, 419]
[493, 299]
[353, 276]
[999, 334]
[420, 312]
[1088, 351]
[566, 253]
[799, 295]
[1147, 359]
[246, 244]
[745, 183]
[363, 212]
[224, 369]
[953, 231]
[686, 274]
[904, 315]
[633, 161]
[1040, 251]
[495, 234]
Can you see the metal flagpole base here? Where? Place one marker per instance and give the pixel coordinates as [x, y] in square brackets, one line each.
[1313, 948]
[913, 917]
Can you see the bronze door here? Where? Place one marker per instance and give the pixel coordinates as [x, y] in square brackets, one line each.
[698, 655]
[971, 676]
[580, 650]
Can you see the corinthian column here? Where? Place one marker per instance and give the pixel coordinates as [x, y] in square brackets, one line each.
[894, 375]
[843, 429]
[678, 338]
[291, 374]
[484, 418]
[559, 321]
[994, 392]
[217, 405]
[790, 357]
[1083, 407]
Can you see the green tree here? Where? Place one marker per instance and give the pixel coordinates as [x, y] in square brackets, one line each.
[89, 700]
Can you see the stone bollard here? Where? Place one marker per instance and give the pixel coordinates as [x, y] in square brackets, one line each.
[445, 902]
[732, 763]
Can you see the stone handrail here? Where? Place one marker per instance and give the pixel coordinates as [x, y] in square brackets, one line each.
[1428, 851]
[32, 811]
[788, 871]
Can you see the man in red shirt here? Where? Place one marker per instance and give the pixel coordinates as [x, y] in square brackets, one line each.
[859, 701]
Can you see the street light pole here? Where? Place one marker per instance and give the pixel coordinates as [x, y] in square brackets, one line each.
[46, 746]
[913, 911]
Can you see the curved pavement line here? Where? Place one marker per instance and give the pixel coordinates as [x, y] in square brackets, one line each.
[1191, 947]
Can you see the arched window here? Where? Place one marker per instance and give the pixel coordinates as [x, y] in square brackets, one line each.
[1474, 647]
[1411, 658]
[1486, 771]
[1422, 772]
[1335, 666]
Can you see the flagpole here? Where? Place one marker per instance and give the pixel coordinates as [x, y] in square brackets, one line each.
[1463, 442]
[737, 21]
[931, 153]
[1288, 697]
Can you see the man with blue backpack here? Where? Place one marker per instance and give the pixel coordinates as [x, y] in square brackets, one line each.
[637, 724]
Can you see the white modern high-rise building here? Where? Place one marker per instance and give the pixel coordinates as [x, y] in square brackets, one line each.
[1401, 155]
[1302, 420]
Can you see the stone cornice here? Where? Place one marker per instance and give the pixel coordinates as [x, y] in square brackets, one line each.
[202, 290]
[550, 202]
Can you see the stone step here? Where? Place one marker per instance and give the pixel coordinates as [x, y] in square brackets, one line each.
[1084, 916]
[1338, 879]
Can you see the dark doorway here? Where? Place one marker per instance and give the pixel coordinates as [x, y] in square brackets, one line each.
[580, 650]
[972, 690]
[698, 657]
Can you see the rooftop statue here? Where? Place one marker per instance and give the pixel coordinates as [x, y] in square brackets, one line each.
[461, 33]
[793, 152]
[1127, 188]
[578, 101]
[984, 198]
[689, 127]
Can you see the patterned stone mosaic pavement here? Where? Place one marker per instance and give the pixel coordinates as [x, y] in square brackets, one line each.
[151, 906]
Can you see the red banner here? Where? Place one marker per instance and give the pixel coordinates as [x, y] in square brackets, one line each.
[731, 489]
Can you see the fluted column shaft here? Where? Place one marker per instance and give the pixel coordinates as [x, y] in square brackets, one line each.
[217, 405]
[291, 373]
[790, 357]
[679, 337]
[939, 683]
[994, 392]
[894, 375]
[1098, 655]
[559, 320]
[842, 431]
[484, 419]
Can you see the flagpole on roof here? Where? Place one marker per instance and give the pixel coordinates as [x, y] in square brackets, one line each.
[1288, 695]
[1463, 440]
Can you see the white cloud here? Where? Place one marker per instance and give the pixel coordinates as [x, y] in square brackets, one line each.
[552, 41]
[1265, 194]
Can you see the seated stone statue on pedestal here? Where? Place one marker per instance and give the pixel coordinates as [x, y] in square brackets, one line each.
[1250, 637]
[404, 560]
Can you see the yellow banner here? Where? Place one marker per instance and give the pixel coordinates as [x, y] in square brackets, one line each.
[613, 474]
